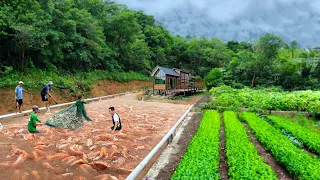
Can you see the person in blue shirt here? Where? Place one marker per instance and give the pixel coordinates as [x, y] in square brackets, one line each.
[44, 94]
[19, 96]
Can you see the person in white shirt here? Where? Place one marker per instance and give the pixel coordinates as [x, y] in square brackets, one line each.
[115, 120]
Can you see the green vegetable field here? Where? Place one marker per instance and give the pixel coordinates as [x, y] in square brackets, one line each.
[258, 144]
[308, 137]
[243, 159]
[264, 100]
[298, 163]
[201, 160]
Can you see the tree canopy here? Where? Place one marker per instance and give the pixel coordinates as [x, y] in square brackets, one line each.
[83, 35]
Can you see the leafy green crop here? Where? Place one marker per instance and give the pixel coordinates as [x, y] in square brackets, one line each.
[262, 100]
[201, 160]
[298, 163]
[308, 137]
[243, 159]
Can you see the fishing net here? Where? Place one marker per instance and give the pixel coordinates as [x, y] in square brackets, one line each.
[69, 118]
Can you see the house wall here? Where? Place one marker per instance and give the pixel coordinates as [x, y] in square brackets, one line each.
[184, 79]
[160, 75]
[171, 82]
[159, 87]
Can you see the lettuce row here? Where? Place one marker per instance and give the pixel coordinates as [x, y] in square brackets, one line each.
[201, 160]
[309, 138]
[243, 159]
[298, 163]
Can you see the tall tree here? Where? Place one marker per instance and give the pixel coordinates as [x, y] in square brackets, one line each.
[267, 49]
[293, 47]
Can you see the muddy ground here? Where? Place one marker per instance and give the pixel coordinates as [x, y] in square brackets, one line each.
[91, 152]
[223, 165]
[101, 88]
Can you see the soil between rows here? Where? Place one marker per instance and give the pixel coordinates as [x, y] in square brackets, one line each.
[280, 171]
[223, 166]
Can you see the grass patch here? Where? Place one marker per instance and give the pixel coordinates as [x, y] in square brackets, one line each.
[81, 81]
[304, 121]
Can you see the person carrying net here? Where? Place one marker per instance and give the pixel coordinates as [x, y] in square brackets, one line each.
[71, 117]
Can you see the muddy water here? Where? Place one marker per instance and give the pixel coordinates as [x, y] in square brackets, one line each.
[91, 152]
[100, 88]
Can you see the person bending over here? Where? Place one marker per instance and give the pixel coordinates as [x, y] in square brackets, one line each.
[115, 120]
[32, 124]
[71, 117]
[44, 95]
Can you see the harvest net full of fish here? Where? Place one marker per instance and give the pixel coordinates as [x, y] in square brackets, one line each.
[91, 152]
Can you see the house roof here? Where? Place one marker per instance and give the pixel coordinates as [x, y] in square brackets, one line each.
[181, 70]
[167, 71]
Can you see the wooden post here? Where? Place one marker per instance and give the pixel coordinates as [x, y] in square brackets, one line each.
[165, 89]
[153, 85]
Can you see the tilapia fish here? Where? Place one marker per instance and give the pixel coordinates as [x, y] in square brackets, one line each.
[88, 152]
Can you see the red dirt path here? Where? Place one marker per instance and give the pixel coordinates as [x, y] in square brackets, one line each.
[55, 151]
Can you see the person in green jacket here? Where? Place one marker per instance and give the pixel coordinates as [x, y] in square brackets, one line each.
[71, 117]
[81, 111]
[32, 124]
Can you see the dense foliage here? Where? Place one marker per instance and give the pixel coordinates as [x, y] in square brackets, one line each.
[201, 160]
[309, 138]
[298, 163]
[243, 159]
[258, 100]
[67, 36]
[268, 61]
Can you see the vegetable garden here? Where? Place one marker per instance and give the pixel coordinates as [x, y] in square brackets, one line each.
[263, 100]
[275, 133]
[202, 158]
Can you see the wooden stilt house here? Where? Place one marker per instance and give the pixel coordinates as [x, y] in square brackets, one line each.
[172, 81]
[164, 79]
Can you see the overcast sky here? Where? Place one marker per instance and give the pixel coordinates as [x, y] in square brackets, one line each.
[241, 20]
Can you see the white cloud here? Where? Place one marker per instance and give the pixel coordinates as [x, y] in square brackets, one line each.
[237, 19]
